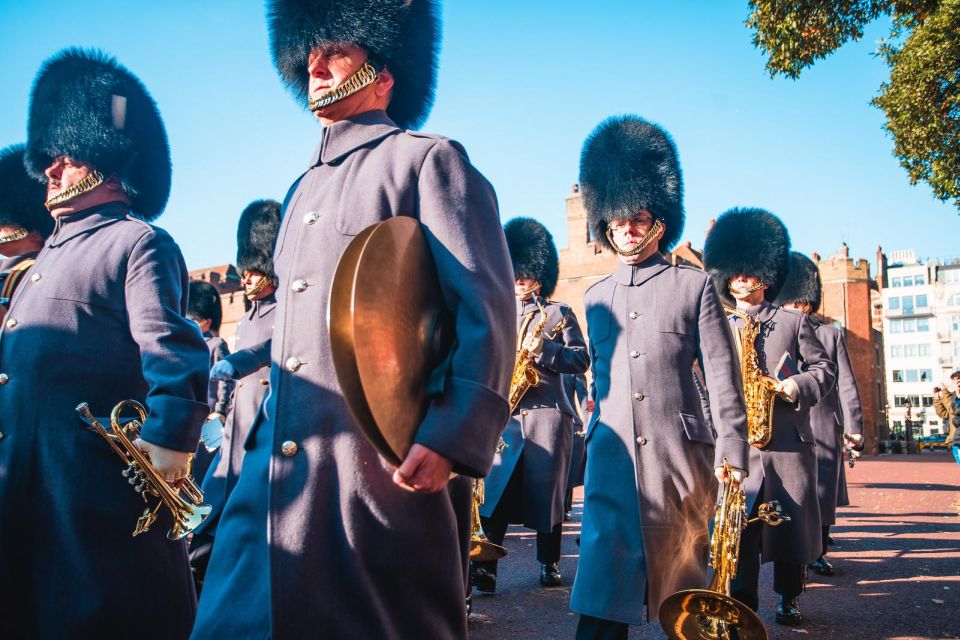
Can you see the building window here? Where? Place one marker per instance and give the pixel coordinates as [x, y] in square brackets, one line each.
[908, 304]
[949, 275]
[899, 401]
[894, 303]
[923, 324]
[897, 375]
[955, 323]
[956, 350]
[920, 280]
[921, 301]
[909, 350]
[909, 326]
[908, 281]
[926, 375]
[896, 326]
[954, 300]
[896, 351]
[912, 376]
[896, 282]
[923, 350]
[915, 401]
[927, 401]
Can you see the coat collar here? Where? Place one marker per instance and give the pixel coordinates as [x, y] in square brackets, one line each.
[340, 138]
[262, 307]
[762, 312]
[70, 226]
[631, 275]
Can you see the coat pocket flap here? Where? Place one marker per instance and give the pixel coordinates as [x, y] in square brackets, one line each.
[696, 429]
[805, 435]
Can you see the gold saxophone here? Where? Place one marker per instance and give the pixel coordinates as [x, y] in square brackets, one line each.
[759, 390]
[525, 374]
[188, 510]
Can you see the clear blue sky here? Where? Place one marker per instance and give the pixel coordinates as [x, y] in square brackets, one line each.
[521, 85]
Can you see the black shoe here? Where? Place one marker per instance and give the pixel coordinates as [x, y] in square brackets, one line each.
[830, 541]
[578, 541]
[469, 605]
[483, 578]
[567, 516]
[788, 611]
[550, 575]
[821, 567]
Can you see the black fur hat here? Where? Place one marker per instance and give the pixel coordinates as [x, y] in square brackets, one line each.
[204, 303]
[403, 34]
[22, 197]
[628, 165]
[533, 253]
[751, 242]
[256, 235]
[803, 283]
[87, 106]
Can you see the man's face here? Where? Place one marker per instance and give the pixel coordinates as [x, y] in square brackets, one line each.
[743, 288]
[64, 173]
[524, 287]
[627, 234]
[328, 67]
[257, 286]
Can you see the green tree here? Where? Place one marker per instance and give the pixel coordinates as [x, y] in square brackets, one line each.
[921, 99]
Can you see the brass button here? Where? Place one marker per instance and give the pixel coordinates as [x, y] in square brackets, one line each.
[240, 385]
[1, 435]
[289, 448]
[634, 354]
[311, 217]
[638, 396]
[264, 381]
[641, 441]
[299, 286]
[4, 378]
[36, 277]
[524, 412]
[11, 323]
[634, 315]
[292, 364]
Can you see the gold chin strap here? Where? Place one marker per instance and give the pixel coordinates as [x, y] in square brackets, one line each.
[92, 181]
[523, 293]
[647, 239]
[362, 77]
[733, 291]
[13, 236]
[257, 290]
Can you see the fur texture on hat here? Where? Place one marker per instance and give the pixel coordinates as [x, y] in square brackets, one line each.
[803, 283]
[629, 165]
[403, 34]
[752, 242]
[22, 197]
[87, 106]
[256, 235]
[533, 253]
[204, 303]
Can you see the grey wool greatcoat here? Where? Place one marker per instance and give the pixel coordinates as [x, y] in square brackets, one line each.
[255, 328]
[575, 386]
[650, 488]
[99, 320]
[786, 470]
[838, 412]
[316, 538]
[541, 427]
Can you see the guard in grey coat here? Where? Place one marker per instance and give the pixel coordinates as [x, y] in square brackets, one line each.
[838, 412]
[747, 253]
[99, 320]
[256, 235]
[321, 535]
[528, 482]
[652, 460]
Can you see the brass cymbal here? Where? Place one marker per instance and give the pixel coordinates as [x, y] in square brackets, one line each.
[699, 614]
[388, 331]
[482, 550]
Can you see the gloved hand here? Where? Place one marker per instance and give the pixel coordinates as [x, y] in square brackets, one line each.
[534, 344]
[736, 474]
[853, 441]
[788, 390]
[222, 371]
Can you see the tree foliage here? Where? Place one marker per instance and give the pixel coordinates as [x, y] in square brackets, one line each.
[921, 99]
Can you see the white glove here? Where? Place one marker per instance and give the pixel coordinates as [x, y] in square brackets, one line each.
[788, 390]
[533, 344]
[736, 474]
[222, 371]
[853, 440]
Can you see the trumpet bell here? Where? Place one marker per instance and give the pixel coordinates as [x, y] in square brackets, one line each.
[699, 614]
[191, 520]
[482, 550]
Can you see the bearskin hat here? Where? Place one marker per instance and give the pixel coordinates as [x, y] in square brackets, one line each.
[204, 303]
[802, 284]
[403, 34]
[87, 106]
[22, 197]
[533, 253]
[256, 235]
[751, 242]
[629, 165]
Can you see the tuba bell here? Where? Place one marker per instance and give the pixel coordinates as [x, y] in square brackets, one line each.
[188, 509]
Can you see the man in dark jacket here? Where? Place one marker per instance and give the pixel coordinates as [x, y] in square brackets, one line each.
[528, 481]
[945, 404]
[837, 420]
[100, 320]
[321, 534]
[747, 253]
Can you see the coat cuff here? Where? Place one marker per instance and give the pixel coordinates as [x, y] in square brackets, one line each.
[737, 453]
[464, 425]
[548, 355]
[245, 361]
[174, 422]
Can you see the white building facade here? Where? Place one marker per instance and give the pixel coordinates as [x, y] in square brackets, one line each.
[921, 336]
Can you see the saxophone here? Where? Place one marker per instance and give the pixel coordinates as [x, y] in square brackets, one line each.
[525, 374]
[759, 390]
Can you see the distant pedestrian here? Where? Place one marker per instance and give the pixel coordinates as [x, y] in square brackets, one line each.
[947, 405]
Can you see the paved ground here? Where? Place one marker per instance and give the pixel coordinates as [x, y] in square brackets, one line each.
[897, 559]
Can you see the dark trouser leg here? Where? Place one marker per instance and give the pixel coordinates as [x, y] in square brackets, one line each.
[201, 546]
[590, 628]
[745, 586]
[788, 579]
[548, 545]
[568, 501]
[826, 534]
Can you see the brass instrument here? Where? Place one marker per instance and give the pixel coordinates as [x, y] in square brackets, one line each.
[525, 374]
[188, 510]
[481, 549]
[93, 180]
[759, 390]
[711, 613]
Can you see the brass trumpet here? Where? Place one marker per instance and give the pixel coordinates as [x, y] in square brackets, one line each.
[711, 613]
[188, 510]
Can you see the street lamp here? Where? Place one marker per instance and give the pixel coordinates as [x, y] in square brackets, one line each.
[908, 420]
